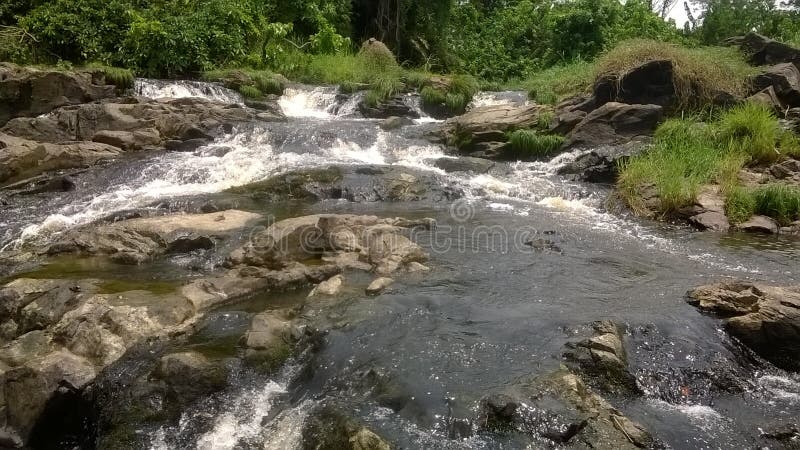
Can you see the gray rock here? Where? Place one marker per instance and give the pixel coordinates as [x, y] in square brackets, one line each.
[393, 107]
[328, 428]
[762, 50]
[765, 318]
[712, 221]
[464, 164]
[760, 224]
[784, 78]
[394, 123]
[330, 287]
[601, 164]
[602, 359]
[615, 124]
[190, 375]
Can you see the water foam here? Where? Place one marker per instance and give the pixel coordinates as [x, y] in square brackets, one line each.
[317, 102]
[182, 89]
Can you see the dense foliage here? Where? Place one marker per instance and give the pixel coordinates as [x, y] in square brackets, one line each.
[489, 39]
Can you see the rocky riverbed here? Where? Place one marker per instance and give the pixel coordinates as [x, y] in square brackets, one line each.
[181, 270]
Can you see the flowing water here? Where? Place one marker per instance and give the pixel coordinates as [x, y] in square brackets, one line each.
[492, 312]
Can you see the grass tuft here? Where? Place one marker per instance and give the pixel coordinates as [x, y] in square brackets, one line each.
[752, 129]
[121, 78]
[740, 205]
[779, 201]
[269, 84]
[531, 143]
[251, 92]
[432, 96]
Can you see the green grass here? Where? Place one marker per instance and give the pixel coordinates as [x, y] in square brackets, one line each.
[454, 92]
[531, 143]
[750, 128]
[552, 85]
[681, 160]
[699, 73]
[432, 96]
[268, 84]
[250, 92]
[121, 78]
[686, 155]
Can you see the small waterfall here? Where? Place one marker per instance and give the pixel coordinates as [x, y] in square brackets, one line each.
[318, 102]
[180, 89]
[498, 98]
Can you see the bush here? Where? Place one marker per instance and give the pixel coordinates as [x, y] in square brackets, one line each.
[750, 128]
[699, 73]
[531, 143]
[377, 55]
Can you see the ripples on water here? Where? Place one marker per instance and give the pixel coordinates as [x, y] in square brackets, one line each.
[482, 319]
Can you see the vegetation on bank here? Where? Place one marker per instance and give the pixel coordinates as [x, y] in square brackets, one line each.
[687, 154]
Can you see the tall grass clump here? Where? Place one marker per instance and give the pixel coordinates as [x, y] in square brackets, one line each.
[752, 129]
[269, 84]
[681, 160]
[121, 78]
[740, 205]
[249, 91]
[779, 201]
[530, 143]
[454, 92]
[432, 96]
[699, 73]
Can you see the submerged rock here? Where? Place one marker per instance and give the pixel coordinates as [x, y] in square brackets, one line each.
[465, 164]
[379, 285]
[331, 286]
[764, 318]
[560, 409]
[328, 429]
[600, 165]
[393, 107]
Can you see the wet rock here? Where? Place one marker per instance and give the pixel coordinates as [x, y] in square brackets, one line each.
[489, 124]
[189, 376]
[601, 164]
[129, 140]
[784, 79]
[764, 318]
[394, 123]
[760, 224]
[352, 183]
[763, 50]
[711, 220]
[22, 158]
[602, 359]
[560, 409]
[28, 92]
[326, 428]
[497, 412]
[786, 436]
[464, 164]
[379, 285]
[168, 119]
[379, 242]
[615, 124]
[134, 241]
[42, 184]
[393, 107]
[415, 267]
[330, 287]
[270, 339]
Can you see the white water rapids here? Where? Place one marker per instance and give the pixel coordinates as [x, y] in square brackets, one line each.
[249, 155]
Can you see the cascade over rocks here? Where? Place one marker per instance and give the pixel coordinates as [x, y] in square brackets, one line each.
[764, 318]
[28, 92]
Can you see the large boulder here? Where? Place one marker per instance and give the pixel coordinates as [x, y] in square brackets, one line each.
[393, 107]
[784, 79]
[326, 428]
[615, 124]
[648, 84]
[763, 50]
[134, 241]
[765, 318]
[151, 123]
[560, 409]
[484, 130]
[381, 243]
[22, 158]
[29, 92]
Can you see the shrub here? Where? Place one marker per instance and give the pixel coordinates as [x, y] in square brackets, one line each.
[377, 55]
[699, 73]
[531, 143]
[250, 92]
[750, 128]
[779, 201]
